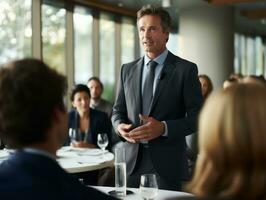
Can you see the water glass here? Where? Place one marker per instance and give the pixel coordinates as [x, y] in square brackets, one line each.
[73, 135]
[148, 186]
[120, 172]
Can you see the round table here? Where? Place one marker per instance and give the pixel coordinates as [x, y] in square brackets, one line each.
[162, 194]
[76, 160]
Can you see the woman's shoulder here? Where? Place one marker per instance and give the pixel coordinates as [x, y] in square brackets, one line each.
[72, 112]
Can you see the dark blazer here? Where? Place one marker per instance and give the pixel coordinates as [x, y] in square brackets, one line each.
[33, 176]
[177, 101]
[99, 123]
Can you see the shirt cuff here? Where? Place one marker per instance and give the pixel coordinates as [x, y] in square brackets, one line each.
[165, 134]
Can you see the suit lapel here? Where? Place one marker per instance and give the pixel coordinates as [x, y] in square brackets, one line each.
[137, 85]
[167, 71]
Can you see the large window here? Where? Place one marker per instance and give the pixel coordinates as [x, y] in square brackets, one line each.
[16, 31]
[75, 39]
[107, 54]
[53, 35]
[127, 40]
[250, 53]
[83, 44]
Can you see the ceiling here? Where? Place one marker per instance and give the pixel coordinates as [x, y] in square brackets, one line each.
[250, 15]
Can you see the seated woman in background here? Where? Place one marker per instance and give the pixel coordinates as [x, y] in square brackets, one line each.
[232, 140]
[192, 139]
[85, 121]
[254, 79]
[206, 85]
[229, 82]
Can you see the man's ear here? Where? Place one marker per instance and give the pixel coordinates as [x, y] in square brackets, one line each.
[72, 103]
[57, 114]
[167, 31]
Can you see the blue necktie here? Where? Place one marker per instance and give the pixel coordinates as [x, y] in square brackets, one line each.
[148, 88]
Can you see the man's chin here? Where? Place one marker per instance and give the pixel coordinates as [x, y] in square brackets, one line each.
[95, 98]
[148, 50]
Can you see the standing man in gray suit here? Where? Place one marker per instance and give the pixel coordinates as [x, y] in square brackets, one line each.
[157, 105]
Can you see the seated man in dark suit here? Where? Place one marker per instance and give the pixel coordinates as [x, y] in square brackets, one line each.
[33, 120]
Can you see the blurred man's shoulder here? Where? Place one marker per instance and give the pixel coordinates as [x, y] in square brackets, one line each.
[106, 103]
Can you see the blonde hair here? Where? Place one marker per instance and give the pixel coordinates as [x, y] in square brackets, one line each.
[232, 143]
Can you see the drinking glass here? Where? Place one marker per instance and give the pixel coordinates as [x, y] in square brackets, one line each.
[73, 134]
[102, 141]
[120, 172]
[148, 186]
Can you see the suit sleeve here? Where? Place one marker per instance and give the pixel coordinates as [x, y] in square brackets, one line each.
[119, 114]
[192, 99]
[107, 129]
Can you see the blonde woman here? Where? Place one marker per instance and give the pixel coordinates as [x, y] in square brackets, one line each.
[232, 142]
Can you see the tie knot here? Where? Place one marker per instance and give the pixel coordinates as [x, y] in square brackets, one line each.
[153, 64]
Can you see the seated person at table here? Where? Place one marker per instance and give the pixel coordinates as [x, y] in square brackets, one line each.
[86, 122]
[97, 102]
[253, 79]
[33, 120]
[206, 85]
[232, 139]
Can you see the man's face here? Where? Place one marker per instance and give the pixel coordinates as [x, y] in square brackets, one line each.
[95, 89]
[152, 36]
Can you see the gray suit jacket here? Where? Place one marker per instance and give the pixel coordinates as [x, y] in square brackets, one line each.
[177, 101]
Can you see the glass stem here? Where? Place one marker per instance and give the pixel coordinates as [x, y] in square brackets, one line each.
[102, 152]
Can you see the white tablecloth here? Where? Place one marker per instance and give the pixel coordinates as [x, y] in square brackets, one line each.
[162, 194]
[75, 160]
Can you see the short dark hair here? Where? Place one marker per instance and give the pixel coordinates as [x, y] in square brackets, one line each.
[79, 88]
[95, 78]
[159, 11]
[29, 92]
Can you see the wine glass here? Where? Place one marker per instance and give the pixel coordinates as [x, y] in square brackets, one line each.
[73, 135]
[148, 186]
[102, 141]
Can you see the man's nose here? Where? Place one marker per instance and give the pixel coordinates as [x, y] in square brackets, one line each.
[147, 33]
[83, 101]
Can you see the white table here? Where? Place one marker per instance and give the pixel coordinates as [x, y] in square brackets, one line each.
[162, 194]
[75, 160]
